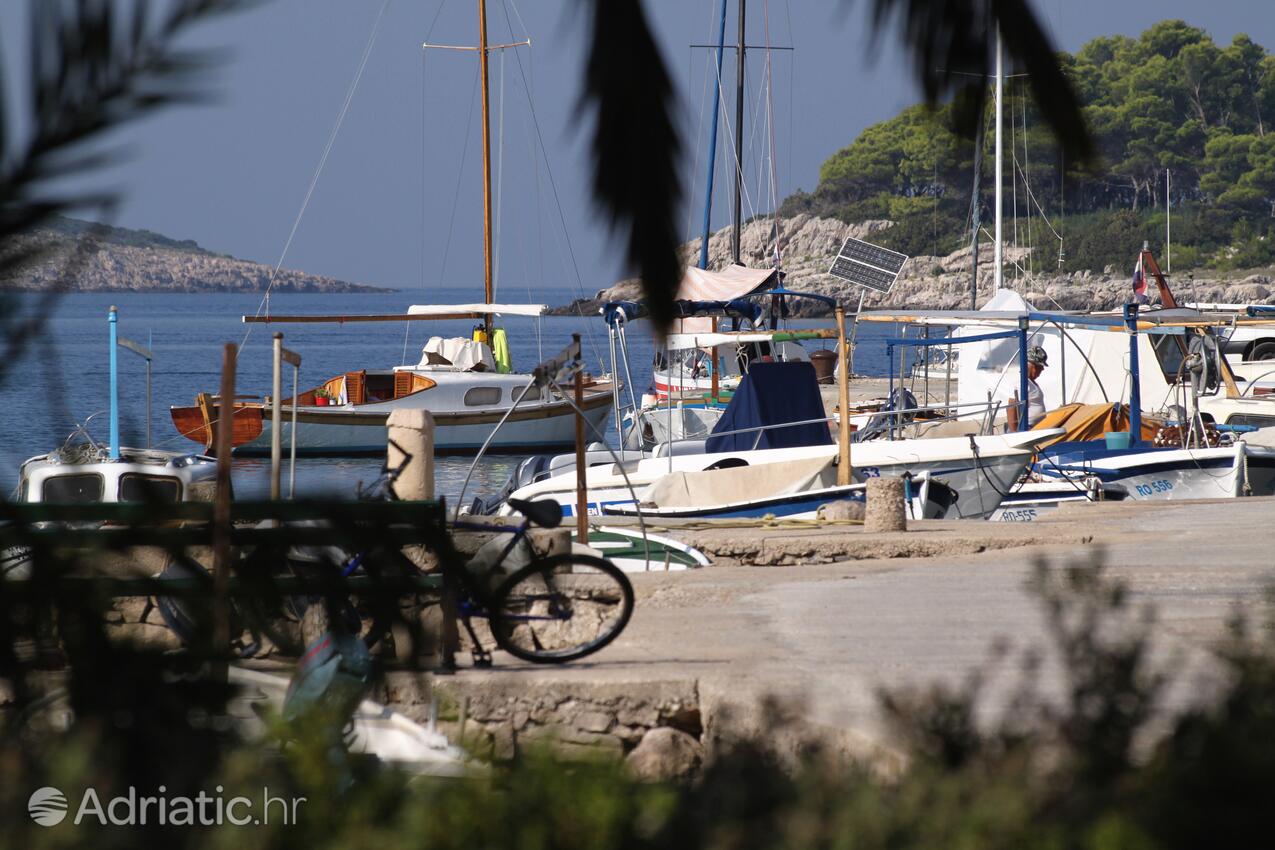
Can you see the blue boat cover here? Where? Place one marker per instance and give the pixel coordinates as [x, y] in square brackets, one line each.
[772, 394]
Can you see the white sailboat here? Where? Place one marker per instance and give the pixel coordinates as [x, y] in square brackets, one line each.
[466, 384]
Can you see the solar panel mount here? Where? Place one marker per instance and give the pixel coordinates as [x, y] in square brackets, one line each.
[868, 265]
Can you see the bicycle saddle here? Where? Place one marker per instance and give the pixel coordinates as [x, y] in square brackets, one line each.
[545, 513]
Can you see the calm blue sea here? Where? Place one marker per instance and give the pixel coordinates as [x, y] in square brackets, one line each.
[62, 377]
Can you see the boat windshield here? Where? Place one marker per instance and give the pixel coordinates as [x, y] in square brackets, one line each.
[77, 489]
[149, 488]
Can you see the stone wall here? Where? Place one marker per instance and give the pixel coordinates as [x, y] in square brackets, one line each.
[508, 713]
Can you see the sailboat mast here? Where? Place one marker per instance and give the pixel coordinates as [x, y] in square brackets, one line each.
[739, 135]
[998, 261]
[712, 140]
[487, 250]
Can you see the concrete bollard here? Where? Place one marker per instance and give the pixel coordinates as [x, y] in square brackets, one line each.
[886, 509]
[413, 431]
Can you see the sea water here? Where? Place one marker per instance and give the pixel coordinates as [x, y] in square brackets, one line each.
[62, 377]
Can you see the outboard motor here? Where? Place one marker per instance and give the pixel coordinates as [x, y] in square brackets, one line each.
[879, 425]
[528, 471]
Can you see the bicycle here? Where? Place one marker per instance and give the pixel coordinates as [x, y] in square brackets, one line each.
[539, 608]
[545, 609]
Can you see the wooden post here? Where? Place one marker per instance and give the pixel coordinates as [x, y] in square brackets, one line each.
[149, 444]
[276, 424]
[845, 472]
[582, 470]
[225, 428]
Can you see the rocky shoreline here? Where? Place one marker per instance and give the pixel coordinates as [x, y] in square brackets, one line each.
[88, 262]
[808, 244]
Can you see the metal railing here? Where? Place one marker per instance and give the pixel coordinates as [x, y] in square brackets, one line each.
[992, 407]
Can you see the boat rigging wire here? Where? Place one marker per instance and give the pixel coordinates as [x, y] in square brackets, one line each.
[770, 121]
[553, 186]
[460, 178]
[709, 62]
[318, 171]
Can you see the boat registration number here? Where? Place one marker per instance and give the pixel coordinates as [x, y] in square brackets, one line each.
[1161, 485]
[1018, 515]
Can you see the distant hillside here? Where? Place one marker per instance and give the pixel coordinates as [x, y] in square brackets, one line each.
[1171, 100]
[117, 259]
[809, 244]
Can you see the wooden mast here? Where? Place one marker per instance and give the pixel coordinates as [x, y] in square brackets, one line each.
[482, 60]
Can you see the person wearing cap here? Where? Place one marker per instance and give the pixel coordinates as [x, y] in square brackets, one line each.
[1036, 363]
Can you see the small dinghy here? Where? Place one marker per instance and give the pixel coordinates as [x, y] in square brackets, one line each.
[633, 553]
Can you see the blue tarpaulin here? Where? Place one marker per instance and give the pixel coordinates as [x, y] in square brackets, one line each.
[772, 394]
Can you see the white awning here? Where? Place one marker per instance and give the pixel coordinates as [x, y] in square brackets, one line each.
[498, 309]
[683, 341]
[731, 282]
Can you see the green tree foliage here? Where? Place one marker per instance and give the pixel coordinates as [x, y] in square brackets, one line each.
[1171, 99]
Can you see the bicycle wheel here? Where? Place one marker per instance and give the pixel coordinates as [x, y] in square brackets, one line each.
[561, 608]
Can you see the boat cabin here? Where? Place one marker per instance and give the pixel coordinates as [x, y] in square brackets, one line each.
[139, 475]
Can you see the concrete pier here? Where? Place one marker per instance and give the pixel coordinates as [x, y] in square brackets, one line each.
[880, 611]
[824, 615]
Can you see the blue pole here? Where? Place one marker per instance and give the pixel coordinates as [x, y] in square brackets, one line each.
[712, 141]
[1023, 425]
[114, 319]
[1135, 383]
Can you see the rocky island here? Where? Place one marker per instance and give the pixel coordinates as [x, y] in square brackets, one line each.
[79, 256]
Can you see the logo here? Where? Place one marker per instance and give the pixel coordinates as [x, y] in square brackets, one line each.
[47, 806]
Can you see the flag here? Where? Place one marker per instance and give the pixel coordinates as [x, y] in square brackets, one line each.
[1139, 283]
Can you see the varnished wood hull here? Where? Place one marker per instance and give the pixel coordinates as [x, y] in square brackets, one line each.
[348, 430]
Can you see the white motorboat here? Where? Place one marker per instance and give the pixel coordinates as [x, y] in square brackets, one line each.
[1030, 500]
[787, 489]
[979, 469]
[1169, 473]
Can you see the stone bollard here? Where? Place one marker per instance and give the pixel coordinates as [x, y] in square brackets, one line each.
[413, 431]
[886, 510]
[411, 438]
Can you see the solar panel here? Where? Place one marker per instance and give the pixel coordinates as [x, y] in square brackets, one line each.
[868, 265]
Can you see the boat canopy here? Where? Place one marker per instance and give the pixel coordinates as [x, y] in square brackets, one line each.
[711, 339]
[773, 394]
[495, 309]
[729, 283]
[1087, 422]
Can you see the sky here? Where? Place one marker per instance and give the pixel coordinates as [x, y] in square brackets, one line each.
[397, 202]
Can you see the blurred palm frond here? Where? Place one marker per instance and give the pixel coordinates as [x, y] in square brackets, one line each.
[636, 146]
[953, 48]
[95, 66]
